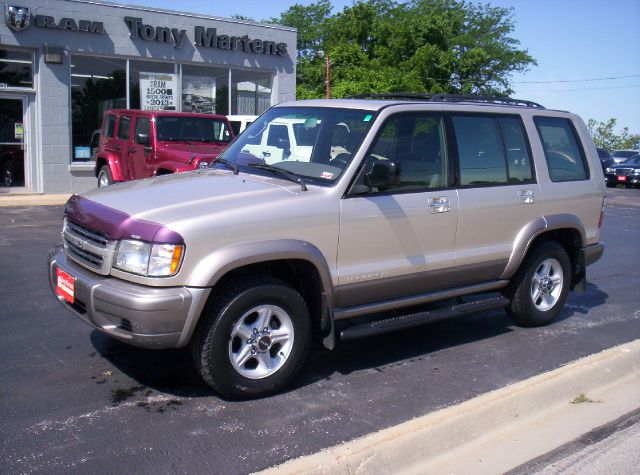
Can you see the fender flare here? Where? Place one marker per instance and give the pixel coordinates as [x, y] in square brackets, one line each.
[534, 229]
[213, 267]
[114, 165]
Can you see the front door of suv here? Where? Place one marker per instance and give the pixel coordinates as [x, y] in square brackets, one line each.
[399, 241]
[497, 190]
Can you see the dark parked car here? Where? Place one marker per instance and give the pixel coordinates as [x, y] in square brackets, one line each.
[626, 173]
[620, 156]
[605, 157]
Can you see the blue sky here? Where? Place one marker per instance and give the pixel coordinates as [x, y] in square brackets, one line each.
[577, 43]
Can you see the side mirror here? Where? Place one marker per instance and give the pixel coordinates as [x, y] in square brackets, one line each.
[383, 174]
[143, 139]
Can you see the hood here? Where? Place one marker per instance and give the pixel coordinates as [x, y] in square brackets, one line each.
[169, 199]
[185, 151]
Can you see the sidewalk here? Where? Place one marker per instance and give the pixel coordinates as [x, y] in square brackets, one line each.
[33, 199]
[497, 431]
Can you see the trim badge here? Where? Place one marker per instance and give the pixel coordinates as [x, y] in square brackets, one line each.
[17, 18]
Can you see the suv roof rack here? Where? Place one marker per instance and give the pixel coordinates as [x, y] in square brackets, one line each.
[420, 96]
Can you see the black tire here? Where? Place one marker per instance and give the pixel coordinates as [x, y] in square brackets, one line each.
[212, 345]
[104, 176]
[520, 291]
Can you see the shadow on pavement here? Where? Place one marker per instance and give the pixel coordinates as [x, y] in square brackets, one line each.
[173, 372]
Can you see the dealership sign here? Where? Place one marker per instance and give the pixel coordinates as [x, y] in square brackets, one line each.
[204, 37]
[18, 18]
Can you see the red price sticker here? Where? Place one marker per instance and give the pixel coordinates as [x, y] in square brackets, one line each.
[65, 285]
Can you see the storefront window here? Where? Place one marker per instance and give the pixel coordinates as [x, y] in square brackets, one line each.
[153, 86]
[251, 92]
[205, 90]
[16, 69]
[97, 84]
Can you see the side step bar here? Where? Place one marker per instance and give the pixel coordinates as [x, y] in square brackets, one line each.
[417, 319]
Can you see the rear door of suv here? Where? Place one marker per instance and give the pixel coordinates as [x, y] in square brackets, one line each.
[497, 189]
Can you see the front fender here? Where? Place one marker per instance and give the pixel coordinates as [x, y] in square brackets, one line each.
[225, 259]
[113, 161]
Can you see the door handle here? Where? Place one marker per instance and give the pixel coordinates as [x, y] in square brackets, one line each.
[266, 154]
[439, 204]
[131, 149]
[526, 197]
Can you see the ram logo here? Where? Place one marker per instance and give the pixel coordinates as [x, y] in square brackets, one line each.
[17, 18]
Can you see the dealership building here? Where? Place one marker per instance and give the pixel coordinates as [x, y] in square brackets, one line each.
[64, 62]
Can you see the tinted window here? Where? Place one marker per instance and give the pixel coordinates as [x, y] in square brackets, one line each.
[480, 151]
[235, 125]
[518, 159]
[278, 136]
[143, 126]
[416, 144]
[124, 128]
[564, 156]
[109, 126]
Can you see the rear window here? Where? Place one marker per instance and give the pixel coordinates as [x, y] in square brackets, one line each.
[565, 157]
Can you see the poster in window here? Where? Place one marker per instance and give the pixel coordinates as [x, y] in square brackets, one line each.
[158, 91]
[198, 94]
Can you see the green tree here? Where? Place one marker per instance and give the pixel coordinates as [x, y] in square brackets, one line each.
[604, 136]
[433, 46]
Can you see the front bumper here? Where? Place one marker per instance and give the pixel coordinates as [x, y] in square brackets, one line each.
[148, 317]
[629, 180]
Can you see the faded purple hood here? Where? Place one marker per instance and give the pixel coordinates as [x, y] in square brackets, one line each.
[117, 224]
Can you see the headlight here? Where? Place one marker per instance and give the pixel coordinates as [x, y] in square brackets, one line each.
[203, 164]
[143, 258]
[609, 170]
[636, 171]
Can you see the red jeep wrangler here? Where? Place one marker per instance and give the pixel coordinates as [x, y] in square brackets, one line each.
[141, 144]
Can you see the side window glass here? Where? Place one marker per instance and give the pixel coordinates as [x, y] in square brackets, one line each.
[565, 158]
[109, 126]
[278, 136]
[482, 160]
[518, 159]
[124, 128]
[143, 126]
[416, 144]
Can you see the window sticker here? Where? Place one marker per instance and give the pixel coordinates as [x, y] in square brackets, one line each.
[327, 175]
[367, 118]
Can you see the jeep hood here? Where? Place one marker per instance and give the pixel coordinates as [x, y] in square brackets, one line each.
[168, 201]
[185, 151]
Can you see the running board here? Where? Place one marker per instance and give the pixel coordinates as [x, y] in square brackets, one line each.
[416, 319]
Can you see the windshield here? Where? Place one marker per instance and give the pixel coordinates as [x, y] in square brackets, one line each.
[623, 153]
[192, 129]
[635, 160]
[314, 143]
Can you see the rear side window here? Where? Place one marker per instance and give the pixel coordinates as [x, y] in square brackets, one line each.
[519, 162]
[124, 128]
[143, 126]
[480, 151]
[109, 126]
[565, 158]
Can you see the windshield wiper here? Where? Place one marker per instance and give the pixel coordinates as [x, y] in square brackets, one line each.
[228, 164]
[287, 174]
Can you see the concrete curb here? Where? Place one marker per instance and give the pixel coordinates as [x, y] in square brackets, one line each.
[33, 199]
[496, 431]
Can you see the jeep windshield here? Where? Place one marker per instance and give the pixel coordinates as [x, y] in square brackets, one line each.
[192, 129]
[314, 143]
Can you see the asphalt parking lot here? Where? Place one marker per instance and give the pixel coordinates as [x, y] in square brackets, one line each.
[75, 401]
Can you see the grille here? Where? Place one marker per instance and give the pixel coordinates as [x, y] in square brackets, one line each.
[95, 237]
[624, 171]
[88, 247]
[90, 258]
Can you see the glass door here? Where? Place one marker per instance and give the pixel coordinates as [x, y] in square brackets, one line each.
[12, 149]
